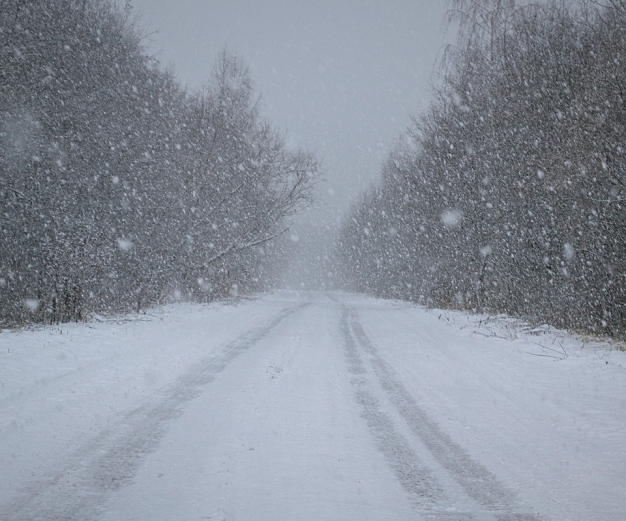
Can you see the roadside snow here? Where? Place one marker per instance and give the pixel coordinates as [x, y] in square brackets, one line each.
[543, 409]
[336, 406]
[61, 385]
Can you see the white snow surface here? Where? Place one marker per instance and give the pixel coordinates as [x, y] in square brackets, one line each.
[310, 406]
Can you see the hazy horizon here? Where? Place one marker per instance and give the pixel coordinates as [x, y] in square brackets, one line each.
[341, 79]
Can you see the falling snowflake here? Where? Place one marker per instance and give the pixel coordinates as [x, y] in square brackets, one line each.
[124, 244]
[451, 219]
[32, 304]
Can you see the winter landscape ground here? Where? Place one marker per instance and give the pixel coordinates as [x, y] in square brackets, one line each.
[310, 406]
[456, 350]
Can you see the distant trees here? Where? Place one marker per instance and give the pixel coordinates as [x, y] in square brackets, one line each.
[117, 188]
[508, 195]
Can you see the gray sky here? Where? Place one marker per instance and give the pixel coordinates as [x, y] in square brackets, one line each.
[340, 77]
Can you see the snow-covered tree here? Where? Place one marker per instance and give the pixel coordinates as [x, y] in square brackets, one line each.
[510, 197]
[117, 188]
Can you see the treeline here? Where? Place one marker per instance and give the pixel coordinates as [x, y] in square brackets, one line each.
[508, 194]
[119, 189]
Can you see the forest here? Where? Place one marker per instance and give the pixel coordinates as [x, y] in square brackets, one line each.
[120, 189]
[508, 194]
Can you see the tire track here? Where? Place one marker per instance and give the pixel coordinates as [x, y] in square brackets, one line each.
[477, 481]
[110, 460]
[416, 479]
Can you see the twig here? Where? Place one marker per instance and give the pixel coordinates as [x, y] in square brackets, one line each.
[554, 350]
[546, 356]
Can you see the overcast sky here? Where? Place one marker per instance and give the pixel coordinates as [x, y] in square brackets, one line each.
[340, 77]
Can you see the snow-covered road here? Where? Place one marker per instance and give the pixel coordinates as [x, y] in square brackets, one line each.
[309, 406]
